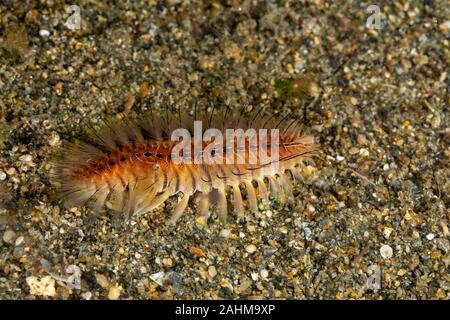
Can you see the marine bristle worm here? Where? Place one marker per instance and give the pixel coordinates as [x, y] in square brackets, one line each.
[128, 165]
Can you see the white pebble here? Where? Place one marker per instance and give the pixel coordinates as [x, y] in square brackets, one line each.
[19, 241]
[445, 26]
[44, 33]
[86, 295]
[339, 158]
[102, 280]
[264, 273]
[152, 31]
[9, 236]
[386, 251]
[307, 231]
[2, 175]
[158, 277]
[430, 236]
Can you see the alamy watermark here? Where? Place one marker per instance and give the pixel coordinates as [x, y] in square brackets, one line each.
[254, 147]
[373, 282]
[74, 21]
[374, 20]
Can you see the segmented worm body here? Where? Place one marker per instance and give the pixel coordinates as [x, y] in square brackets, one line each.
[129, 166]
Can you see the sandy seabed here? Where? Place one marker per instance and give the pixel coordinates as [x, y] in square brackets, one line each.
[369, 221]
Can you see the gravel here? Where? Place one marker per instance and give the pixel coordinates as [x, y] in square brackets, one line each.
[376, 99]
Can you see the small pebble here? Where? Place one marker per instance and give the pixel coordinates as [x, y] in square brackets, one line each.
[18, 252]
[283, 229]
[168, 262]
[353, 101]
[158, 277]
[445, 26]
[445, 230]
[86, 295]
[54, 139]
[114, 292]
[430, 236]
[2, 175]
[201, 220]
[245, 285]
[361, 139]
[9, 236]
[264, 273]
[386, 251]
[402, 272]
[212, 272]
[26, 158]
[436, 121]
[44, 33]
[307, 231]
[102, 280]
[250, 248]
[225, 233]
[19, 241]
